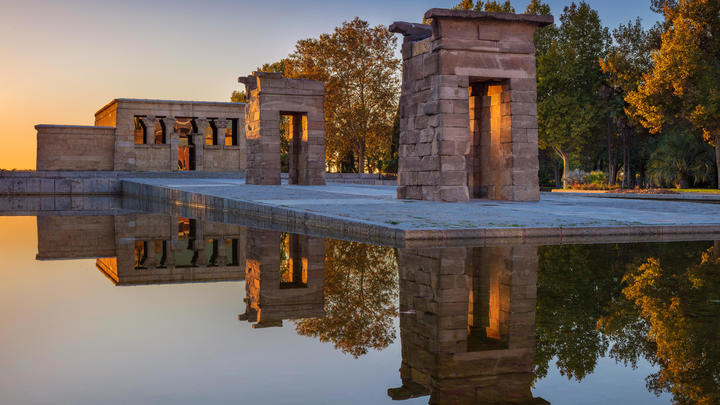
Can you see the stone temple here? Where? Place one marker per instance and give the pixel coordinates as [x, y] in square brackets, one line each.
[468, 113]
[468, 120]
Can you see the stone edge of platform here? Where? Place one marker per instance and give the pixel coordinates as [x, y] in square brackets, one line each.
[684, 197]
[368, 231]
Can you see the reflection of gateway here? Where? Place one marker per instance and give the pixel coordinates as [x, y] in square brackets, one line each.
[467, 324]
[284, 278]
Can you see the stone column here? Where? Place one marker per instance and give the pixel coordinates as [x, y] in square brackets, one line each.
[199, 142]
[172, 138]
[149, 122]
[220, 126]
[221, 259]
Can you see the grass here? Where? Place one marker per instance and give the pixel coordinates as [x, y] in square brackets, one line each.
[698, 190]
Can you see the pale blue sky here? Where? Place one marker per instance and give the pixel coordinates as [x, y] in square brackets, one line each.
[64, 59]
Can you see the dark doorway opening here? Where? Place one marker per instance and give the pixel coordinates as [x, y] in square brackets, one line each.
[294, 134]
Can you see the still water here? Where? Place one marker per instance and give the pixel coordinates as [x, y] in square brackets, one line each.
[155, 309]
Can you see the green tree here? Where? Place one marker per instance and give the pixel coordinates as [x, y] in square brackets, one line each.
[278, 67]
[490, 5]
[361, 290]
[680, 159]
[238, 96]
[684, 83]
[569, 77]
[358, 65]
[628, 59]
[498, 7]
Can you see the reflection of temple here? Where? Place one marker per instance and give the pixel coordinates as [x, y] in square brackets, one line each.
[284, 277]
[467, 324]
[147, 249]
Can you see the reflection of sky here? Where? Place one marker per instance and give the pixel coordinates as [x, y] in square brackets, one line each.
[69, 336]
[609, 384]
[63, 60]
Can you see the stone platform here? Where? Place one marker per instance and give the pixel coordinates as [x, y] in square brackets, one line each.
[372, 213]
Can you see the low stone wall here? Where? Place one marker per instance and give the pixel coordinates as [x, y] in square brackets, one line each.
[362, 178]
[61, 182]
[71, 147]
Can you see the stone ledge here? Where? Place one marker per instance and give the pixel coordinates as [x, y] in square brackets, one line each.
[540, 20]
[638, 196]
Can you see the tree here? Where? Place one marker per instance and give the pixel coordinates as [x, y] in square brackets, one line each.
[490, 5]
[684, 84]
[358, 65]
[278, 67]
[627, 61]
[680, 159]
[497, 7]
[466, 5]
[361, 289]
[238, 96]
[569, 77]
[680, 305]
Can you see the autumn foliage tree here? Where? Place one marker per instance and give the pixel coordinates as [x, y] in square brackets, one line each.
[684, 84]
[362, 86]
[679, 303]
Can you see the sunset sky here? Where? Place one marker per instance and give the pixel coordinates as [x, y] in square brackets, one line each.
[63, 60]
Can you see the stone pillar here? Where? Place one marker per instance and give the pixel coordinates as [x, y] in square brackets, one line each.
[468, 124]
[220, 126]
[269, 95]
[199, 142]
[172, 138]
[150, 122]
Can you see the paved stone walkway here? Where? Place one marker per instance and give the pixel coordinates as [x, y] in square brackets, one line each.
[376, 206]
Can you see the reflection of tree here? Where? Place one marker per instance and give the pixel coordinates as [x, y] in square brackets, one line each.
[361, 289]
[575, 286]
[657, 302]
[680, 305]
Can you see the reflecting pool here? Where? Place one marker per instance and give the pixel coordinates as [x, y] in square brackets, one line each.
[145, 308]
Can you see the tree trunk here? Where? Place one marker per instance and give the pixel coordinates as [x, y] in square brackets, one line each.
[558, 181]
[684, 181]
[361, 157]
[626, 161]
[717, 156]
[611, 157]
[566, 166]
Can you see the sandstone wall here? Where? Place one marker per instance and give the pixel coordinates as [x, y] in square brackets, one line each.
[75, 237]
[129, 156]
[66, 147]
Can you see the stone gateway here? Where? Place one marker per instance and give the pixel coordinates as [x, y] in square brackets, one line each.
[468, 109]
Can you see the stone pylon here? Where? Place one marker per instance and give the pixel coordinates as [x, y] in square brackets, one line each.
[468, 112]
